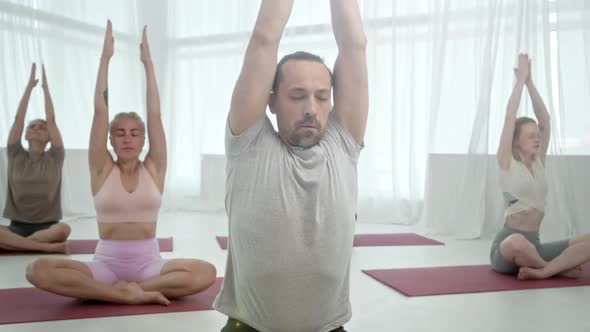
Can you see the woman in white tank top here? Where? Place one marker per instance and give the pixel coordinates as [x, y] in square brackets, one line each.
[521, 162]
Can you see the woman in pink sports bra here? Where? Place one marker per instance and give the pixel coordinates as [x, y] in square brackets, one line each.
[127, 267]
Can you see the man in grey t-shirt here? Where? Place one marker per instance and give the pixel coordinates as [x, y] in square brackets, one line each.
[292, 194]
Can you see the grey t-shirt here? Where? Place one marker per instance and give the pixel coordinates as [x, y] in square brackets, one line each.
[34, 186]
[291, 226]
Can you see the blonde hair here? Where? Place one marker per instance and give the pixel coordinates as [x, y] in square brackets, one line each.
[126, 115]
[517, 130]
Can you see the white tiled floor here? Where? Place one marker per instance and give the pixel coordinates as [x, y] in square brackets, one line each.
[375, 307]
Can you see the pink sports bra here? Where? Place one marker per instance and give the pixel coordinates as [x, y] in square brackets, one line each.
[114, 204]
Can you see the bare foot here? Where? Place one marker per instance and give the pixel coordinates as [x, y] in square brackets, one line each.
[526, 273]
[121, 284]
[137, 295]
[572, 273]
[57, 247]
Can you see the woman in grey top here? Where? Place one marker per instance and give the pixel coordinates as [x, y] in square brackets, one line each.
[33, 200]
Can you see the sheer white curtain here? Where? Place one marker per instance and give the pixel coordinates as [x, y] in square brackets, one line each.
[207, 45]
[572, 37]
[472, 206]
[440, 75]
[66, 36]
[206, 56]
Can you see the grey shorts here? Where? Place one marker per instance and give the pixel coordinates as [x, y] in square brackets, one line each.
[26, 229]
[548, 251]
[234, 325]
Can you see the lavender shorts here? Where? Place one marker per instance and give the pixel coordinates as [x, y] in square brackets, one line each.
[128, 260]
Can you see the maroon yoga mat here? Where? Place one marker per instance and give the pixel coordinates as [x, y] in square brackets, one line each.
[26, 305]
[87, 247]
[465, 279]
[375, 240]
[394, 239]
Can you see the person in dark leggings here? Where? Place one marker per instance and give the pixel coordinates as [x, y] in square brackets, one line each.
[517, 248]
[33, 200]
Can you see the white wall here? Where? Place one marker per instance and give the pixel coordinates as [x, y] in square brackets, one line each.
[452, 195]
[447, 185]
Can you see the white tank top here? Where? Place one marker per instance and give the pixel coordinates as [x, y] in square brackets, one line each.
[522, 189]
